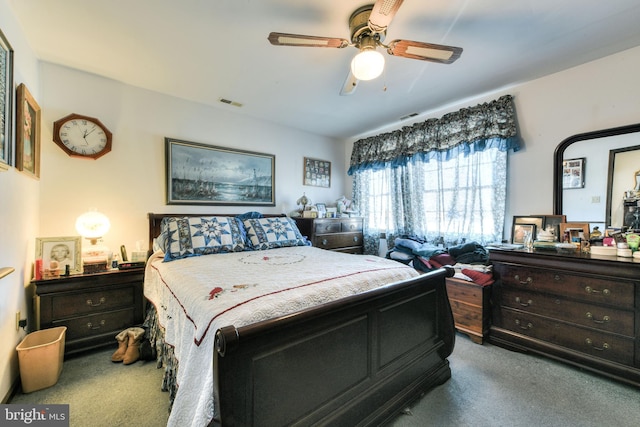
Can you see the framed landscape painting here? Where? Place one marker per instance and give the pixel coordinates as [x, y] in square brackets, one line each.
[201, 174]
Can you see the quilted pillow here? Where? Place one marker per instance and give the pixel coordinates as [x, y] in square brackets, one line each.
[269, 233]
[194, 236]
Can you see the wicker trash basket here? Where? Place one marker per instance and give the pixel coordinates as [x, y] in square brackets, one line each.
[40, 355]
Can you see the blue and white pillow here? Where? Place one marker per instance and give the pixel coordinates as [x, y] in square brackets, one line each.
[269, 233]
[195, 236]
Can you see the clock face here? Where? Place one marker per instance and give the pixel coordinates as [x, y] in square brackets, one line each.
[82, 136]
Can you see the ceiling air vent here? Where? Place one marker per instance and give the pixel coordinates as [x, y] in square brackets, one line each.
[408, 116]
[230, 102]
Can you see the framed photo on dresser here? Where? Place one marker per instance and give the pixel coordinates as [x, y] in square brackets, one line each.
[521, 231]
[537, 220]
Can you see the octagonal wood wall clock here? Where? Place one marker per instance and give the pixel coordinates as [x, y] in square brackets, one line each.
[82, 136]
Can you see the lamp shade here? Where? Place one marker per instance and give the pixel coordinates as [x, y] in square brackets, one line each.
[304, 201]
[92, 225]
[367, 64]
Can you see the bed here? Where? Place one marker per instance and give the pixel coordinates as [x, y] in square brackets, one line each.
[270, 333]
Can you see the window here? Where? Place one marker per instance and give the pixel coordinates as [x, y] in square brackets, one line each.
[463, 197]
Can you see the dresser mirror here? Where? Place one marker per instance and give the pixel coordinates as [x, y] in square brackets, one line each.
[610, 173]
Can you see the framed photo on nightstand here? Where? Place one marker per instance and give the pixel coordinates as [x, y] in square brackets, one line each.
[56, 253]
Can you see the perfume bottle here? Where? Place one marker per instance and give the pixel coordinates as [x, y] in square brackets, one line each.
[528, 240]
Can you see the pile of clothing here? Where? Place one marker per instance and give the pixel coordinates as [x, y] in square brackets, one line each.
[470, 260]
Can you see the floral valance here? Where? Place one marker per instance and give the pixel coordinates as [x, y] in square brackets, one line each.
[488, 125]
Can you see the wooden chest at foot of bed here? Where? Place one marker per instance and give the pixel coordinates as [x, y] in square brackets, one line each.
[470, 306]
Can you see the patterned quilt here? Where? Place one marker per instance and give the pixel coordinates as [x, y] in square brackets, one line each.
[196, 296]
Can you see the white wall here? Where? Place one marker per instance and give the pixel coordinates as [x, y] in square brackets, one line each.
[18, 217]
[129, 182]
[597, 95]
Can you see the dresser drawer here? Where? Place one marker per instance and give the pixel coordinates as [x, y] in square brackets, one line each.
[342, 240]
[74, 304]
[97, 324]
[346, 225]
[584, 288]
[592, 342]
[594, 316]
[327, 226]
[351, 225]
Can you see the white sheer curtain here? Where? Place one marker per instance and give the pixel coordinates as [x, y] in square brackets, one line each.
[463, 197]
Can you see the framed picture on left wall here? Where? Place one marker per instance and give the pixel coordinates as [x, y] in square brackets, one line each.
[27, 133]
[6, 101]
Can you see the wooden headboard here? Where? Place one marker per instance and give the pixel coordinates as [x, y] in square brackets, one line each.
[155, 220]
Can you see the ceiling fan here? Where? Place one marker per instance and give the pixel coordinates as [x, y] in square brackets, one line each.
[368, 27]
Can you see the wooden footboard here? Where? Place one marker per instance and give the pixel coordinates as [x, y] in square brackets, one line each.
[354, 362]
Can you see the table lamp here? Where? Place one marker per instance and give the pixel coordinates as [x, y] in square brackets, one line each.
[92, 225]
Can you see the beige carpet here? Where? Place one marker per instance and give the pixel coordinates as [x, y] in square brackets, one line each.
[489, 387]
[102, 393]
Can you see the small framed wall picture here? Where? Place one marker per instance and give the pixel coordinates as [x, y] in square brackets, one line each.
[317, 172]
[27, 133]
[573, 173]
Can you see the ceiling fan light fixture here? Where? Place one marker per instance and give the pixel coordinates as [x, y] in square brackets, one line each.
[367, 64]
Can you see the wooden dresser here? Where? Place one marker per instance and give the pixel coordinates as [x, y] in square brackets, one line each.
[93, 307]
[336, 234]
[581, 309]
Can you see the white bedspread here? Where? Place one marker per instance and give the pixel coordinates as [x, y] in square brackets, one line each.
[196, 296]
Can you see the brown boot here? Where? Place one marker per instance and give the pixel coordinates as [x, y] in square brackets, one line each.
[133, 346]
[123, 341]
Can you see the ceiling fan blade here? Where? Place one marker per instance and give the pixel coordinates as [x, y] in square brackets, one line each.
[350, 85]
[284, 39]
[424, 51]
[382, 13]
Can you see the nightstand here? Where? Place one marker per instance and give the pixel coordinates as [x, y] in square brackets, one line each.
[336, 234]
[471, 308]
[93, 307]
